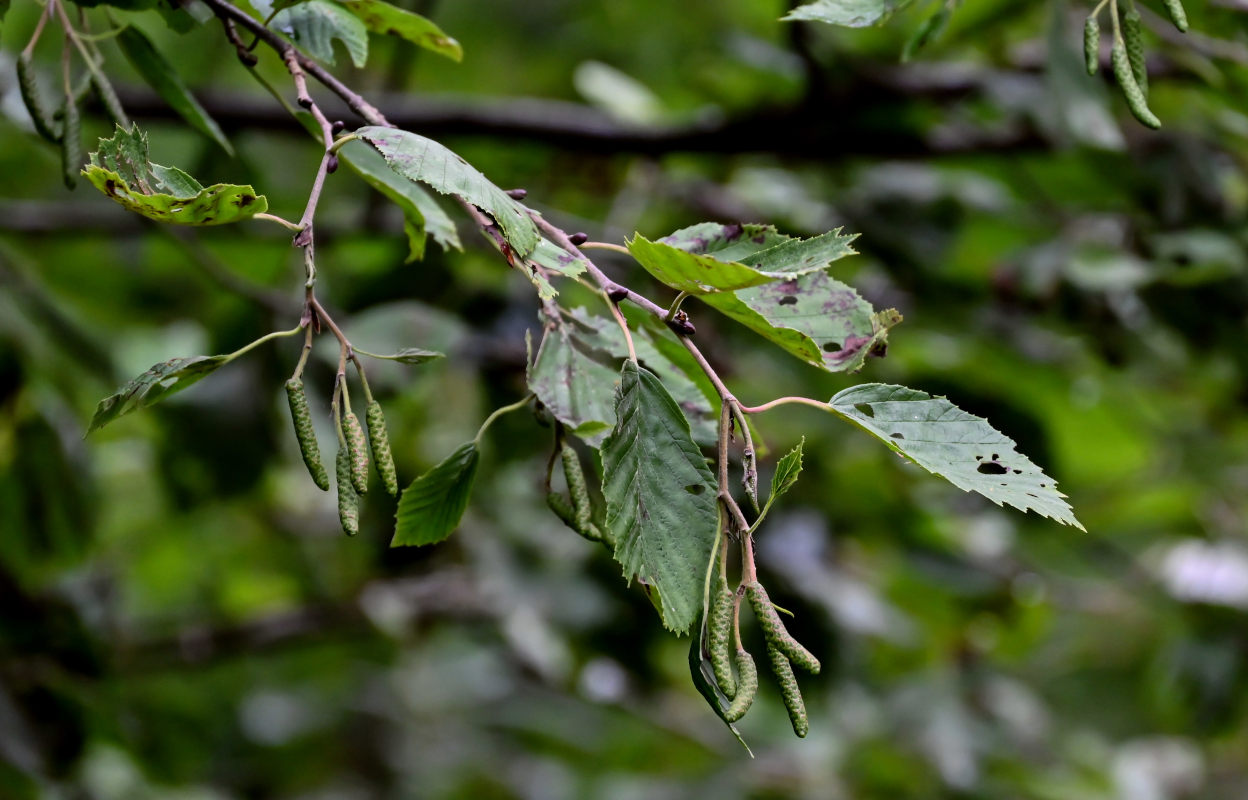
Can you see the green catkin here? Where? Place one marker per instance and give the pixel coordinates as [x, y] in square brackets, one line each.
[747, 687]
[379, 439]
[71, 144]
[1133, 37]
[44, 124]
[108, 97]
[1177, 15]
[774, 631]
[1092, 45]
[357, 449]
[1130, 89]
[789, 691]
[719, 633]
[578, 489]
[348, 500]
[306, 433]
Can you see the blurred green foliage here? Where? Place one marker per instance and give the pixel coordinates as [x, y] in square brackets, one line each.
[180, 616]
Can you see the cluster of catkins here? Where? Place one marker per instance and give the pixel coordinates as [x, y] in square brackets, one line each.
[352, 461]
[1127, 56]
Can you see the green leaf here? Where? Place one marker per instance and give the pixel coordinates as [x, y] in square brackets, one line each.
[710, 257]
[119, 168]
[787, 471]
[815, 317]
[661, 506]
[431, 507]
[413, 356]
[419, 208]
[575, 376]
[424, 160]
[380, 17]
[162, 380]
[960, 447]
[315, 24]
[161, 76]
[849, 13]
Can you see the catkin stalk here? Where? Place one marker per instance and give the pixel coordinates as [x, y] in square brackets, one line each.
[1133, 37]
[789, 691]
[379, 439]
[348, 500]
[720, 632]
[1092, 45]
[774, 631]
[747, 687]
[306, 433]
[357, 451]
[1130, 89]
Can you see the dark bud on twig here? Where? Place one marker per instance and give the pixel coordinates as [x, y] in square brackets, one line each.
[617, 293]
[517, 194]
[305, 102]
[337, 127]
[331, 165]
[681, 325]
[579, 238]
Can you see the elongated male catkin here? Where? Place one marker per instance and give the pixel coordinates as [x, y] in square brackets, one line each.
[71, 143]
[108, 97]
[789, 691]
[357, 449]
[1130, 89]
[348, 500]
[747, 687]
[719, 625]
[31, 96]
[379, 439]
[306, 433]
[774, 631]
[578, 489]
[1133, 37]
[1177, 15]
[1092, 45]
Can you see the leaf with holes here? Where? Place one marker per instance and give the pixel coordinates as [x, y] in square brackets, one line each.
[162, 380]
[119, 168]
[313, 25]
[661, 506]
[575, 376]
[161, 76]
[710, 257]
[960, 447]
[849, 13]
[815, 317]
[381, 17]
[419, 159]
[432, 505]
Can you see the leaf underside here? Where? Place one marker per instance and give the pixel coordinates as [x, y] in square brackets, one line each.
[314, 25]
[960, 447]
[848, 13]
[383, 18]
[661, 505]
[162, 380]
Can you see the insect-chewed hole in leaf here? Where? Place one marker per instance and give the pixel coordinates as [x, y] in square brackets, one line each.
[831, 347]
[865, 409]
[695, 488]
[1018, 472]
[991, 468]
[788, 300]
[896, 436]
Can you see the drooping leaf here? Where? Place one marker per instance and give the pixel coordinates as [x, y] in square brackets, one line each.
[162, 380]
[960, 447]
[424, 160]
[787, 470]
[419, 208]
[313, 25]
[660, 495]
[815, 317]
[575, 377]
[849, 13]
[161, 76]
[432, 505]
[412, 356]
[710, 257]
[119, 168]
[381, 17]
